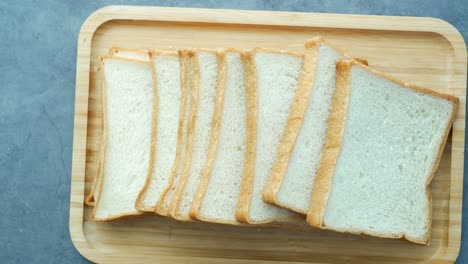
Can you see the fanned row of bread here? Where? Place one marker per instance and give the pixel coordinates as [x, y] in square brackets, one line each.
[264, 136]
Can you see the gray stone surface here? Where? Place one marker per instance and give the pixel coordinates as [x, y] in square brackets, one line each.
[37, 84]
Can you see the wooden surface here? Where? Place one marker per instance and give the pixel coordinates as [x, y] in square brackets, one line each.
[424, 51]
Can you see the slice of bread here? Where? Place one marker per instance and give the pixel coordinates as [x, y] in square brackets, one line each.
[383, 145]
[116, 52]
[208, 73]
[171, 129]
[271, 86]
[291, 181]
[185, 132]
[128, 111]
[217, 196]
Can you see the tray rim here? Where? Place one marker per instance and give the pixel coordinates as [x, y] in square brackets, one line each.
[250, 17]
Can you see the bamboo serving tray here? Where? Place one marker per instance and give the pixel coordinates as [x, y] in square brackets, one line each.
[424, 51]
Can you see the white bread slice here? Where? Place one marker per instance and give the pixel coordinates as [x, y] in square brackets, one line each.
[272, 85]
[217, 196]
[116, 52]
[171, 129]
[290, 184]
[383, 145]
[208, 70]
[128, 111]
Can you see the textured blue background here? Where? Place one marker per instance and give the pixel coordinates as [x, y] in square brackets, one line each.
[37, 85]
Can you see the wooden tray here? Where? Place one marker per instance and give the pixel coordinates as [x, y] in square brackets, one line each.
[425, 51]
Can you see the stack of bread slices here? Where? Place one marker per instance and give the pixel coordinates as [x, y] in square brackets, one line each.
[265, 136]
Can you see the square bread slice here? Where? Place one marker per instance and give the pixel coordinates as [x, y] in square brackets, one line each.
[208, 71]
[383, 145]
[128, 113]
[116, 52]
[271, 86]
[173, 102]
[217, 196]
[290, 183]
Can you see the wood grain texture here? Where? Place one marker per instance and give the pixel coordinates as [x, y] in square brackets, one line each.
[425, 51]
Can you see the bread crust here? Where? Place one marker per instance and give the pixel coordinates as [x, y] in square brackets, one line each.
[333, 146]
[278, 51]
[90, 198]
[156, 52]
[362, 61]
[243, 204]
[216, 126]
[104, 140]
[295, 119]
[114, 50]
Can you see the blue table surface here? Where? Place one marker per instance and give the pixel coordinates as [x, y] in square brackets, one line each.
[38, 41]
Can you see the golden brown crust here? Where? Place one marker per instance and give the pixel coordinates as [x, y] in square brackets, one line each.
[157, 52]
[114, 51]
[285, 52]
[194, 78]
[245, 196]
[311, 43]
[221, 221]
[362, 61]
[104, 140]
[331, 148]
[216, 125]
[407, 85]
[232, 50]
[90, 197]
[293, 125]
[321, 41]
[327, 164]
